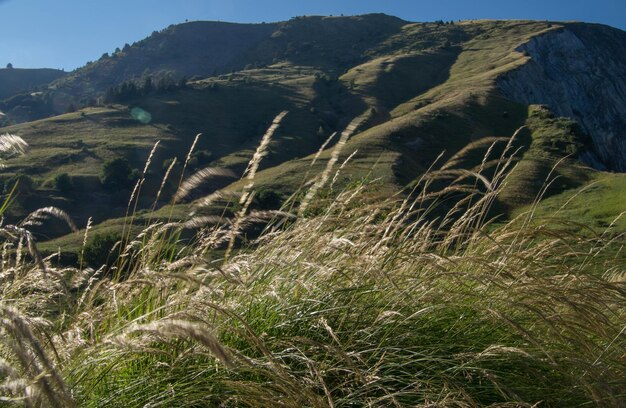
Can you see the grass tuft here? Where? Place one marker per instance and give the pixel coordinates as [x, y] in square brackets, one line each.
[415, 299]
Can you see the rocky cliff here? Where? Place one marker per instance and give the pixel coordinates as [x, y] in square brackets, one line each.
[579, 71]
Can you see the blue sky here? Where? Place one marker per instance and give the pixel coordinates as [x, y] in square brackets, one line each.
[68, 33]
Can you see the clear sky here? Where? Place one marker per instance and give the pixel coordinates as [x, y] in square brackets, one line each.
[68, 33]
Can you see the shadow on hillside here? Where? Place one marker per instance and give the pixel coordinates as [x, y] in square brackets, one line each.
[394, 81]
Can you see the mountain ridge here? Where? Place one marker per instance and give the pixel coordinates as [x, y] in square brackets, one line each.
[427, 88]
[578, 72]
[15, 80]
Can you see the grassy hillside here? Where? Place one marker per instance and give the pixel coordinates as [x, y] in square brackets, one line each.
[359, 303]
[16, 80]
[23, 94]
[203, 48]
[595, 207]
[426, 89]
[550, 164]
[404, 236]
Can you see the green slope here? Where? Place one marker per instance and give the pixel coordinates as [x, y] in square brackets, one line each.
[426, 88]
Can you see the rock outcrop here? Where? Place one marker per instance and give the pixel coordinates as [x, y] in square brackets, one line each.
[579, 71]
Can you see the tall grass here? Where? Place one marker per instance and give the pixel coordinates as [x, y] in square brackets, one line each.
[414, 300]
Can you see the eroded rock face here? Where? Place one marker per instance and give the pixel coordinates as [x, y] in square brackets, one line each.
[579, 71]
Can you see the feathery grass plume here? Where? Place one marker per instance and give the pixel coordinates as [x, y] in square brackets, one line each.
[157, 239]
[5, 255]
[45, 380]
[236, 224]
[218, 195]
[145, 168]
[458, 175]
[343, 164]
[247, 194]
[198, 178]
[323, 178]
[160, 228]
[165, 178]
[186, 330]
[82, 248]
[18, 234]
[134, 197]
[259, 154]
[189, 153]
[415, 300]
[322, 148]
[19, 251]
[291, 201]
[142, 179]
[37, 217]
[182, 173]
[263, 216]
[186, 262]
[12, 145]
[508, 156]
[191, 149]
[210, 240]
[201, 221]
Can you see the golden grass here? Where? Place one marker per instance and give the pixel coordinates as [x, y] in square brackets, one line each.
[411, 300]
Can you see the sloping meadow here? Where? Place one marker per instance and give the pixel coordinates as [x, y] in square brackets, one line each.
[417, 299]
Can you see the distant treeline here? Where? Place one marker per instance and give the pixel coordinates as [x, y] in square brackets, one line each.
[129, 90]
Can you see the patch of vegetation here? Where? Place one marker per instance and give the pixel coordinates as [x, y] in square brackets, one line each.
[64, 183]
[356, 302]
[550, 163]
[451, 102]
[599, 204]
[118, 175]
[102, 249]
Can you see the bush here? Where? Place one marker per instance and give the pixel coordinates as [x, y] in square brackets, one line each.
[99, 251]
[117, 174]
[268, 199]
[63, 182]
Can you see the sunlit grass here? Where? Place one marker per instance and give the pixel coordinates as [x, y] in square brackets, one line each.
[409, 300]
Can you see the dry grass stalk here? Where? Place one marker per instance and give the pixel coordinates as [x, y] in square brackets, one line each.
[367, 304]
[187, 330]
[322, 148]
[259, 154]
[12, 145]
[82, 248]
[343, 164]
[44, 376]
[198, 179]
[145, 168]
[202, 221]
[163, 182]
[236, 226]
[343, 139]
[458, 157]
[37, 217]
[218, 195]
[20, 234]
[182, 173]
[191, 149]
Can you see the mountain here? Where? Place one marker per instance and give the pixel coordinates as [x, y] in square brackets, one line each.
[205, 48]
[19, 88]
[579, 71]
[16, 80]
[329, 211]
[423, 88]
